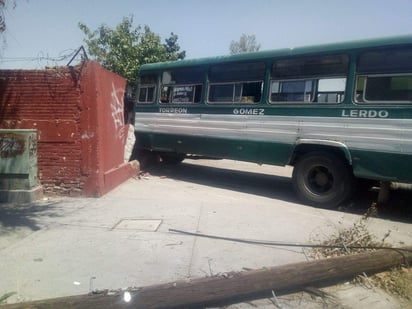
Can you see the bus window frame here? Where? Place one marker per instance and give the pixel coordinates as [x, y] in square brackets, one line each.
[377, 102]
[313, 92]
[342, 94]
[146, 86]
[234, 83]
[315, 80]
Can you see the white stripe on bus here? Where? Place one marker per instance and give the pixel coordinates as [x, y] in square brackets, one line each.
[391, 135]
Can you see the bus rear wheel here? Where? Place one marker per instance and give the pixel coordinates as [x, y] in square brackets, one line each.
[322, 180]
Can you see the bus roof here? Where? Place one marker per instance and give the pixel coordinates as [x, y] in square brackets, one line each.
[262, 55]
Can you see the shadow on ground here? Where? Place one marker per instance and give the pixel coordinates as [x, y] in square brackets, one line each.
[27, 215]
[272, 186]
[398, 208]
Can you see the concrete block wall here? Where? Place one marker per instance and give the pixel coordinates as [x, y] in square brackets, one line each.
[76, 111]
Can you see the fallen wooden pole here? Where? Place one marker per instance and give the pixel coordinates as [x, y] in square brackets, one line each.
[236, 286]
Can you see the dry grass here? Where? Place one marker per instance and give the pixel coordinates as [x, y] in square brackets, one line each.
[397, 282]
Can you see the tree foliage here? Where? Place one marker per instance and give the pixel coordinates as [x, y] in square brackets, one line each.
[4, 4]
[2, 19]
[246, 44]
[125, 48]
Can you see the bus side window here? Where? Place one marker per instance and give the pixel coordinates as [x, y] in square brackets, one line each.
[251, 92]
[181, 94]
[146, 89]
[146, 94]
[320, 79]
[331, 90]
[184, 94]
[384, 76]
[388, 89]
[182, 85]
[230, 93]
[221, 93]
[292, 91]
[236, 83]
[384, 88]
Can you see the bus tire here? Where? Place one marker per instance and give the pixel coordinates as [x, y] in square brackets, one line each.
[322, 179]
[172, 158]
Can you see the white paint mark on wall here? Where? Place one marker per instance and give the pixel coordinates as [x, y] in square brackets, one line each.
[116, 105]
[87, 135]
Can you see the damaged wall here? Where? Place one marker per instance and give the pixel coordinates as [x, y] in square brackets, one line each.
[78, 114]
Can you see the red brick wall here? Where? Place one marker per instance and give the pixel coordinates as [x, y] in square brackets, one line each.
[79, 137]
[46, 100]
[103, 132]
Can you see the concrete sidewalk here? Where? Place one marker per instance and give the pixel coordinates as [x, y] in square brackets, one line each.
[67, 246]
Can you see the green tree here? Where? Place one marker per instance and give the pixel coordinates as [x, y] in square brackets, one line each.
[125, 48]
[2, 19]
[172, 48]
[4, 5]
[246, 44]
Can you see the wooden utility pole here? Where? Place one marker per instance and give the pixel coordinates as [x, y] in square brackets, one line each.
[236, 286]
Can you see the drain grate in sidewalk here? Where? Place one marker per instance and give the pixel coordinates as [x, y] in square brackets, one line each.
[146, 225]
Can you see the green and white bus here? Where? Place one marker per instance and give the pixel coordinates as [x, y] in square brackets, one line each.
[335, 112]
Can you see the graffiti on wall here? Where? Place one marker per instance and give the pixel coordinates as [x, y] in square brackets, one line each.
[32, 146]
[11, 145]
[117, 105]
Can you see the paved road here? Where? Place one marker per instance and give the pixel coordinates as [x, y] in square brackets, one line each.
[55, 247]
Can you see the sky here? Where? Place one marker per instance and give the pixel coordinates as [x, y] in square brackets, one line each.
[40, 32]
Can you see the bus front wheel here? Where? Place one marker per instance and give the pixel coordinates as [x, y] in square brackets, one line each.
[322, 180]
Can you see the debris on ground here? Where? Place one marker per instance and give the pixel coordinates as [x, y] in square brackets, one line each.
[357, 239]
[146, 176]
[349, 241]
[143, 175]
[397, 282]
